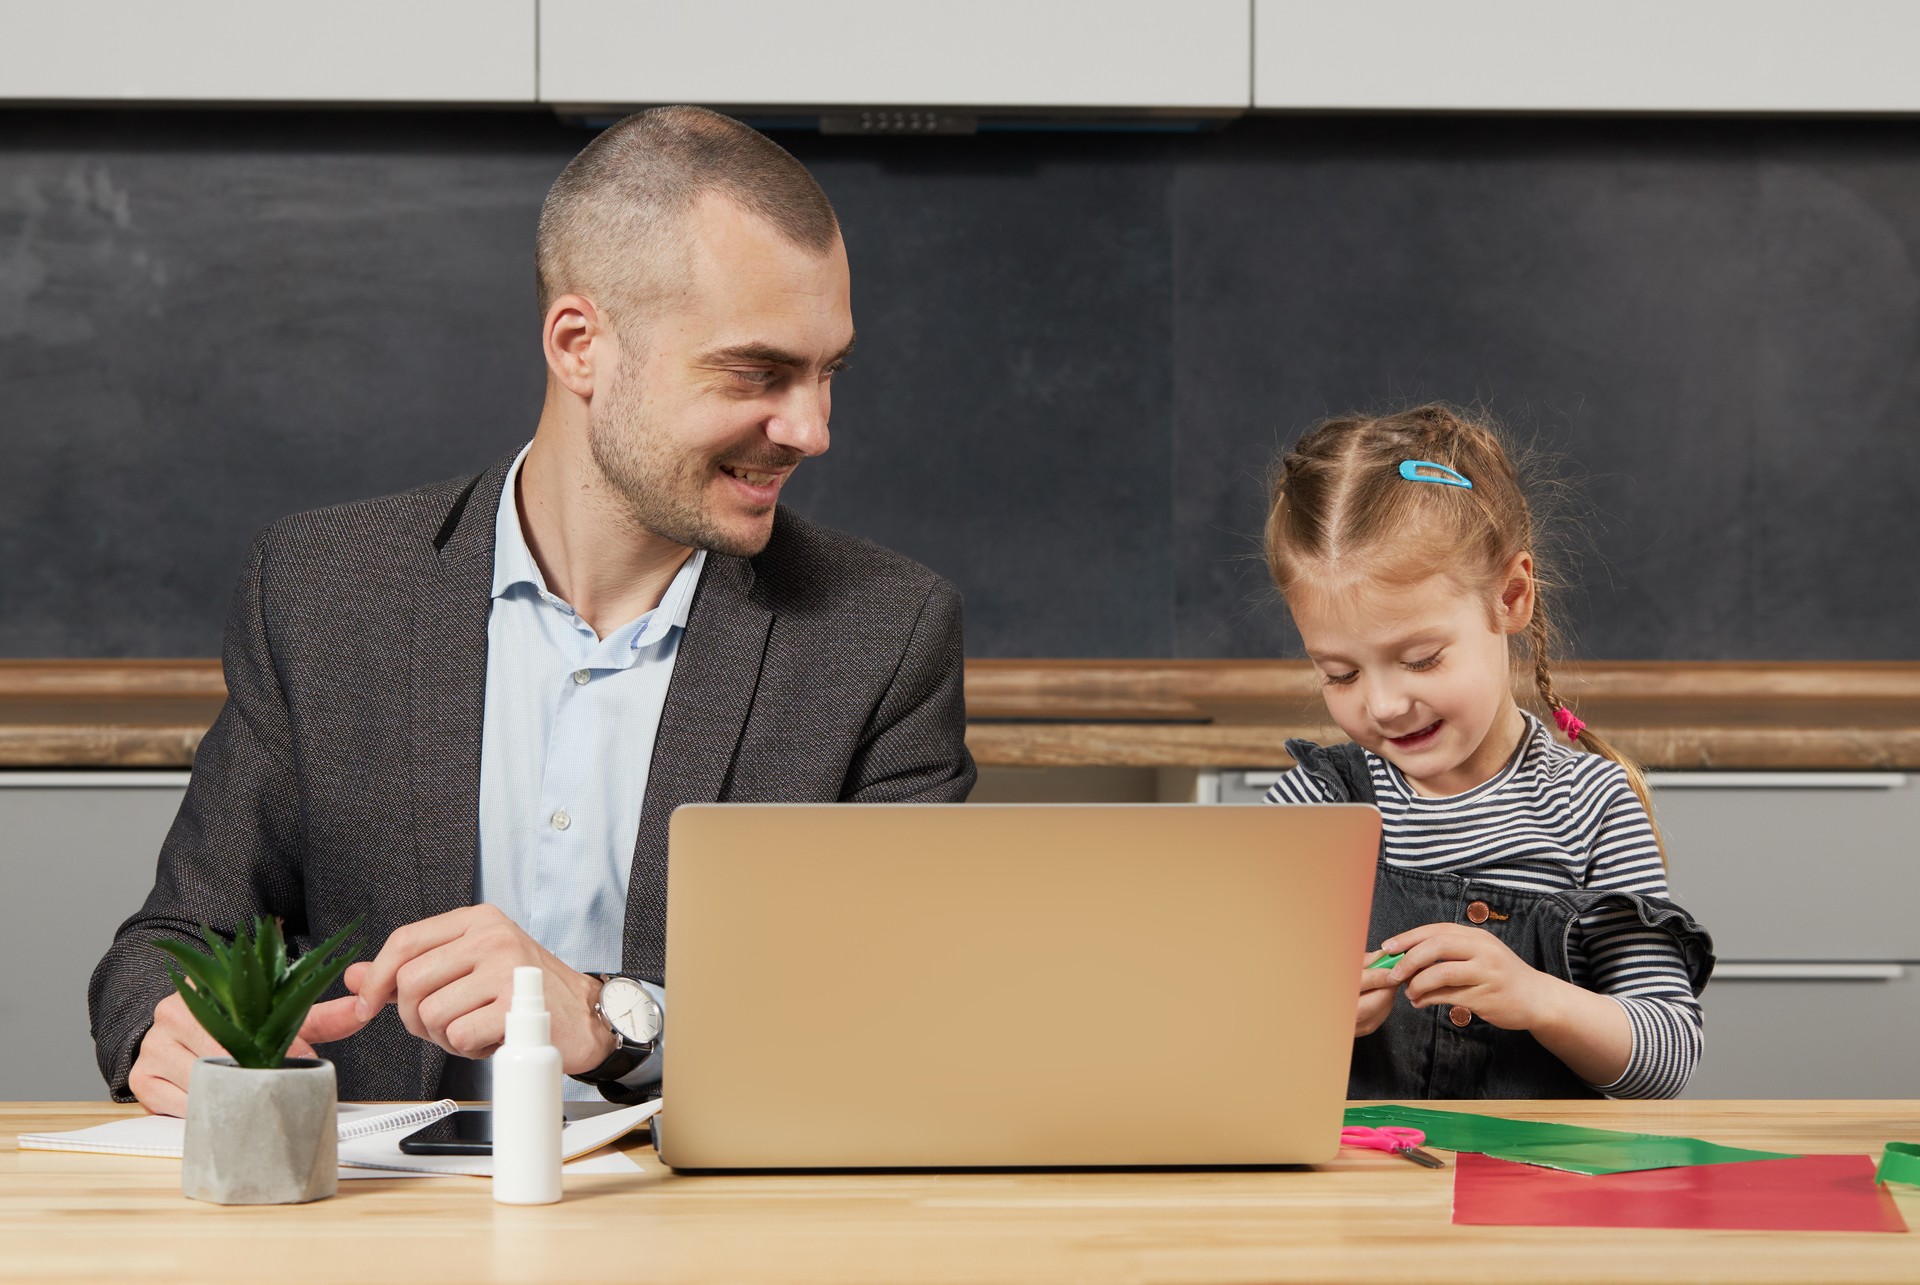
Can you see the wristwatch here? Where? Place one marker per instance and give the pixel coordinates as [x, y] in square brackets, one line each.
[636, 1020]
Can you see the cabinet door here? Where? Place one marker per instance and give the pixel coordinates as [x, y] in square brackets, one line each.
[982, 53]
[79, 851]
[1795, 866]
[1811, 1031]
[396, 51]
[1601, 55]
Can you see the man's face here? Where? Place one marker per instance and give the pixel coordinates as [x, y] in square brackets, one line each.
[725, 386]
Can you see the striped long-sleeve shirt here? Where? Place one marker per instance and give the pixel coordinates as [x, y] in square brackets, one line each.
[1555, 818]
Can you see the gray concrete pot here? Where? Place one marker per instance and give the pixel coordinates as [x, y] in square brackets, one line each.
[261, 1137]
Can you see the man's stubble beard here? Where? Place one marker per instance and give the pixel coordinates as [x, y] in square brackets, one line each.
[664, 495]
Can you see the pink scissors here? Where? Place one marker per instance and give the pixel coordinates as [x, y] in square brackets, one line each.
[1399, 1141]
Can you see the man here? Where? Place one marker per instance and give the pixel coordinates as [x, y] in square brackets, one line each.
[466, 712]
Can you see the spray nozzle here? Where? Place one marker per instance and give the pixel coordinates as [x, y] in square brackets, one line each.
[529, 991]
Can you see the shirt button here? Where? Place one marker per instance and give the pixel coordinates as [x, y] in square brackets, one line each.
[560, 819]
[580, 676]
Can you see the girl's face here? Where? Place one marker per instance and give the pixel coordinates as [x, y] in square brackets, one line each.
[1419, 674]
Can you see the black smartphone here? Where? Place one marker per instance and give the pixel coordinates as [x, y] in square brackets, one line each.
[467, 1132]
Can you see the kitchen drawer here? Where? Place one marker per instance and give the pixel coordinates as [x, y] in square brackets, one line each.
[1811, 1031]
[1788, 866]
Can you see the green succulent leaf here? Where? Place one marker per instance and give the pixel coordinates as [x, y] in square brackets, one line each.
[311, 974]
[276, 959]
[252, 987]
[220, 952]
[206, 972]
[241, 1047]
[246, 995]
[213, 968]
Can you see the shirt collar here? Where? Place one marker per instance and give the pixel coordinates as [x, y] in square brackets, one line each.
[513, 565]
[675, 605]
[512, 561]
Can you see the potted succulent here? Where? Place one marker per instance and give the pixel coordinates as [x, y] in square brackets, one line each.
[261, 1127]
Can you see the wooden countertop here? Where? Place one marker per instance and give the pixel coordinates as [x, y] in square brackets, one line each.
[1365, 1217]
[1136, 713]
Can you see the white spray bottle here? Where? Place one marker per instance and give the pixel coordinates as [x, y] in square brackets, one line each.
[526, 1099]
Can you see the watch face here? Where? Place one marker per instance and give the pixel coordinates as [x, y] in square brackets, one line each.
[630, 1009]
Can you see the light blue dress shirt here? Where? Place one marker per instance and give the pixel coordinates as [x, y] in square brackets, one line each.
[565, 749]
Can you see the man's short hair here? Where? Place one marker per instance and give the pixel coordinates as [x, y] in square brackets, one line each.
[614, 224]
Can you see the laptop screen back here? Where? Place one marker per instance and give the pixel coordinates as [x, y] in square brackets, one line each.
[1009, 985]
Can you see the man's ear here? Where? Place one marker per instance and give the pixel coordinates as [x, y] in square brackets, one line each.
[578, 344]
[1518, 593]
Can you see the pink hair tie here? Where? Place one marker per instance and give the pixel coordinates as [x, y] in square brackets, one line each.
[1568, 723]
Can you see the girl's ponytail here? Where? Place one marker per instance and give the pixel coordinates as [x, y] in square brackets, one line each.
[1540, 643]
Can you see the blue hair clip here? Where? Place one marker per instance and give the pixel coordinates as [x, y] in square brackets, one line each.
[1428, 471]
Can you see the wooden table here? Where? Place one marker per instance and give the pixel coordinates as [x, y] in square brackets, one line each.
[1365, 1217]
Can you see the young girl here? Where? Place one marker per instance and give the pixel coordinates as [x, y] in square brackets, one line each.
[1523, 879]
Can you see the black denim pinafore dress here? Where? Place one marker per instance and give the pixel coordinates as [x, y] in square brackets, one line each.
[1443, 1052]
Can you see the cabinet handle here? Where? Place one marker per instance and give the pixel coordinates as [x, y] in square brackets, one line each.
[1776, 780]
[1808, 972]
[31, 779]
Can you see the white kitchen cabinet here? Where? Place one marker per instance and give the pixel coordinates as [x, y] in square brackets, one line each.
[222, 51]
[1122, 54]
[1590, 56]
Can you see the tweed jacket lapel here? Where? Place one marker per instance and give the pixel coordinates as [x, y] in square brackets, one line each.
[715, 674]
[449, 695]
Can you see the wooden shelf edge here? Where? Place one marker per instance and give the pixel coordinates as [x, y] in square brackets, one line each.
[1748, 715]
[995, 681]
[89, 679]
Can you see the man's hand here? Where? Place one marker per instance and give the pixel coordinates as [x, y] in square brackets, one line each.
[452, 978]
[164, 1064]
[1377, 989]
[1459, 964]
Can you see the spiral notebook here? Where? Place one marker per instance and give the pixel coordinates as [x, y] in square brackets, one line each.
[165, 1135]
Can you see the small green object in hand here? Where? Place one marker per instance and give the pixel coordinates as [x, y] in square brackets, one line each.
[247, 995]
[1388, 961]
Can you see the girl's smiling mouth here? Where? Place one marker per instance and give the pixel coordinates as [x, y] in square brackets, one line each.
[1417, 740]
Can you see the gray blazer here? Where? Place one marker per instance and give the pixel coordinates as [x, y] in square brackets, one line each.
[342, 776]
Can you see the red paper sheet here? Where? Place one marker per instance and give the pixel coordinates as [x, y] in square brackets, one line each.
[1807, 1193]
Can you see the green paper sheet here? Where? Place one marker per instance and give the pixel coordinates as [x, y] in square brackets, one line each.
[1571, 1147]
[1900, 1162]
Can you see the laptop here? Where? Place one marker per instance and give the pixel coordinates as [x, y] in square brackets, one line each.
[1011, 985]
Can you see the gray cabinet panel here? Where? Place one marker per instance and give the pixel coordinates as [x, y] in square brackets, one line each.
[1780, 867]
[78, 852]
[1781, 1038]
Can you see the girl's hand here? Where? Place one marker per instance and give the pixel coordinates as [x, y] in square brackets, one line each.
[1460, 964]
[1377, 989]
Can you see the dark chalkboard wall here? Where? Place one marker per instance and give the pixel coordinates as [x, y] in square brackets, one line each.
[1077, 355]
